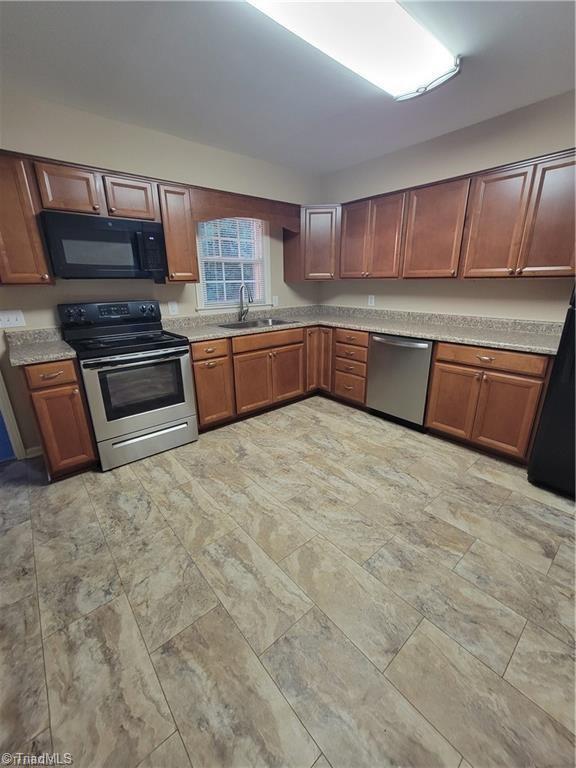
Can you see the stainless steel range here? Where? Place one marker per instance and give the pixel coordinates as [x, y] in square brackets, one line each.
[138, 378]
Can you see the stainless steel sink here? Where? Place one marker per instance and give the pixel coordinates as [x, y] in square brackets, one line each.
[265, 322]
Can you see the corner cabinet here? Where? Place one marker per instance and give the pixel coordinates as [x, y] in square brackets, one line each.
[434, 226]
[22, 257]
[318, 359]
[488, 398]
[320, 236]
[179, 234]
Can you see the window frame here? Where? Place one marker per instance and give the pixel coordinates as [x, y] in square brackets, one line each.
[201, 305]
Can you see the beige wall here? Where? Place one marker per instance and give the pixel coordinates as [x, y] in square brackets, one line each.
[32, 125]
[521, 299]
[544, 127]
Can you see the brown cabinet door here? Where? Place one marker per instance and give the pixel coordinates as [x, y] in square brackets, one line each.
[312, 358]
[325, 360]
[384, 253]
[179, 234]
[22, 256]
[548, 244]
[253, 380]
[434, 225]
[66, 188]
[506, 411]
[321, 241]
[131, 198]
[355, 239]
[64, 428]
[453, 399]
[214, 390]
[495, 221]
[287, 372]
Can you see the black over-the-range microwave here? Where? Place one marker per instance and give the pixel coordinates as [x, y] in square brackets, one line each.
[85, 247]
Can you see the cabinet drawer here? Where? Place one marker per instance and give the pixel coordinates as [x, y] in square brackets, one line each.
[50, 374]
[267, 339]
[349, 386]
[203, 350]
[359, 338]
[498, 359]
[349, 352]
[350, 366]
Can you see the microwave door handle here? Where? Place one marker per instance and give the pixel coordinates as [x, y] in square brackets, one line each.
[102, 365]
[140, 250]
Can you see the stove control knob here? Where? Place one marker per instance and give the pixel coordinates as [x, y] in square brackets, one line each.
[151, 309]
[143, 308]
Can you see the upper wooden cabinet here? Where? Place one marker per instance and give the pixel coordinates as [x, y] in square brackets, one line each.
[548, 244]
[67, 188]
[320, 241]
[495, 221]
[22, 256]
[131, 198]
[434, 225]
[179, 234]
[355, 243]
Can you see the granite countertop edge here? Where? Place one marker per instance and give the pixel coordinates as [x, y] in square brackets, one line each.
[50, 347]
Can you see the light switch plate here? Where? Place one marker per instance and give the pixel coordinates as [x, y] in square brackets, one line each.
[173, 307]
[11, 318]
[370, 300]
[274, 301]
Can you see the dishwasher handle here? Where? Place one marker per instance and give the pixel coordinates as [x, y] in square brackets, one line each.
[407, 344]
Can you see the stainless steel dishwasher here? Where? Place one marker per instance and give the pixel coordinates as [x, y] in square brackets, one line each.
[398, 370]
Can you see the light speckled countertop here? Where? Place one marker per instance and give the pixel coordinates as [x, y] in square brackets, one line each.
[46, 344]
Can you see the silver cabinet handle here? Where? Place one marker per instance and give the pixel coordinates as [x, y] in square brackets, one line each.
[210, 365]
[486, 358]
[210, 349]
[407, 344]
[54, 375]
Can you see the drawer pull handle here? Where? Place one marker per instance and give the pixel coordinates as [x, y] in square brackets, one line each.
[46, 376]
[112, 210]
[486, 358]
[95, 207]
[350, 338]
[210, 349]
[349, 367]
[347, 388]
[210, 365]
[172, 276]
[44, 277]
[349, 354]
[75, 391]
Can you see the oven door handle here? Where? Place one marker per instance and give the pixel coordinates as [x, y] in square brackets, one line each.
[102, 366]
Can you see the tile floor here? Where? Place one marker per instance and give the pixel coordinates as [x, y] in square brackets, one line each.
[313, 586]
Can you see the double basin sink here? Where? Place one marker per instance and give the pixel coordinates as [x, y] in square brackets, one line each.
[265, 322]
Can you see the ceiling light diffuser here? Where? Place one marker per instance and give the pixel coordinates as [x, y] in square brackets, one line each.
[378, 40]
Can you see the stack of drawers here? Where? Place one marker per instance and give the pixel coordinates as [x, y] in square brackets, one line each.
[350, 358]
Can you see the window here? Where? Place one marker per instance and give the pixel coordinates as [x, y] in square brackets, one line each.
[232, 252]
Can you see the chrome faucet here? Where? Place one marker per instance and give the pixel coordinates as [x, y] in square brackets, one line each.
[243, 310]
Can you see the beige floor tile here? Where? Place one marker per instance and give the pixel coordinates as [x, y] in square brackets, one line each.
[481, 624]
[355, 716]
[23, 701]
[170, 754]
[342, 481]
[552, 521]
[14, 496]
[546, 603]
[228, 711]
[97, 482]
[515, 478]
[259, 596]
[542, 667]
[484, 522]
[390, 506]
[441, 541]
[485, 718]
[106, 705]
[322, 763]
[283, 482]
[562, 568]
[374, 618]
[39, 744]
[353, 529]
[162, 471]
[387, 475]
[273, 526]
[127, 514]
[165, 588]
[196, 517]
[16, 564]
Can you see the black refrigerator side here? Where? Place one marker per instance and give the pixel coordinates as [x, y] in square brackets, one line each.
[552, 460]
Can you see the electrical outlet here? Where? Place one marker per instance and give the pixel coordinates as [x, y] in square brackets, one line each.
[173, 307]
[12, 318]
[370, 301]
[274, 301]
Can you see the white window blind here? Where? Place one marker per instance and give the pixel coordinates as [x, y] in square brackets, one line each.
[232, 252]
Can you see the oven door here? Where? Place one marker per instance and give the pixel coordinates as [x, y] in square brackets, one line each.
[134, 392]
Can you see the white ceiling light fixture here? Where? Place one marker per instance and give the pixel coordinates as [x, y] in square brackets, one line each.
[378, 40]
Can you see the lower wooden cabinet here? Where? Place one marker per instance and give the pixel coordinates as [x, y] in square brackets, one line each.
[268, 376]
[287, 372]
[493, 409]
[64, 428]
[319, 359]
[214, 383]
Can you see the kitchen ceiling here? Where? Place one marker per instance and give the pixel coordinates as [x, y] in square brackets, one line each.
[222, 73]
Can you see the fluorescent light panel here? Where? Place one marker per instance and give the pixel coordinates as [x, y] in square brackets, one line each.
[378, 40]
